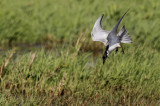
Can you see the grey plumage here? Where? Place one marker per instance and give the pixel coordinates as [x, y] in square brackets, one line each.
[111, 39]
[98, 34]
[124, 36]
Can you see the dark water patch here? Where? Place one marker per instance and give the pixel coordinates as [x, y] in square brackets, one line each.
[95, 49]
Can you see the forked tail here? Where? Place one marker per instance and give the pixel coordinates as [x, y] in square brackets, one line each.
[124, 36]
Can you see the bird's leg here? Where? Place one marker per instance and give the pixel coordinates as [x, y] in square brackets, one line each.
[116, 49]
[122, 49]
[105, 55]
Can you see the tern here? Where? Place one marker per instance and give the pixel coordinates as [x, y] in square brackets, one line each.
[111, 39]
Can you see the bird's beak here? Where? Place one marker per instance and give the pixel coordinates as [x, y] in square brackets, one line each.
[104, 58]
[105, 55]
[103, 62]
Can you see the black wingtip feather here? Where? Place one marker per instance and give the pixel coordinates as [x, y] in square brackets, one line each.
[117, 24]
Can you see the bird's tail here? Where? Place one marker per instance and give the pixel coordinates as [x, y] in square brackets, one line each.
[124, 36]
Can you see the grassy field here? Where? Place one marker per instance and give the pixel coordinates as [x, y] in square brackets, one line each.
[47, 56]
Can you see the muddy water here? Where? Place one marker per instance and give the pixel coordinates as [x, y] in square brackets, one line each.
[26, 48]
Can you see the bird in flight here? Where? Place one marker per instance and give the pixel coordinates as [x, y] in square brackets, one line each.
[111, 39]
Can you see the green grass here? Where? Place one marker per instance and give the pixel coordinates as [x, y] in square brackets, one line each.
[64, 66]
[36, 21]
[69, 78]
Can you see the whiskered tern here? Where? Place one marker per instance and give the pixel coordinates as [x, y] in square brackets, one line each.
[111, 39]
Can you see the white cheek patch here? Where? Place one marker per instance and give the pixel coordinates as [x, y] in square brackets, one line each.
[107, 52]
[114, 46]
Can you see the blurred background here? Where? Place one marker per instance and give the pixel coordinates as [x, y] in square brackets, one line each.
[53, 22]
[47, 56]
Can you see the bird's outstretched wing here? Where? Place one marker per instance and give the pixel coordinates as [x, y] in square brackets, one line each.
[98, 34]
[117, 24]
[114, 40]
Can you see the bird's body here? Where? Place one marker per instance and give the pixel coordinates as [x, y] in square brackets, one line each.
[111, 39]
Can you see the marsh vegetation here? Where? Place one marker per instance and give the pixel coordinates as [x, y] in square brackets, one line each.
[47, 56]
